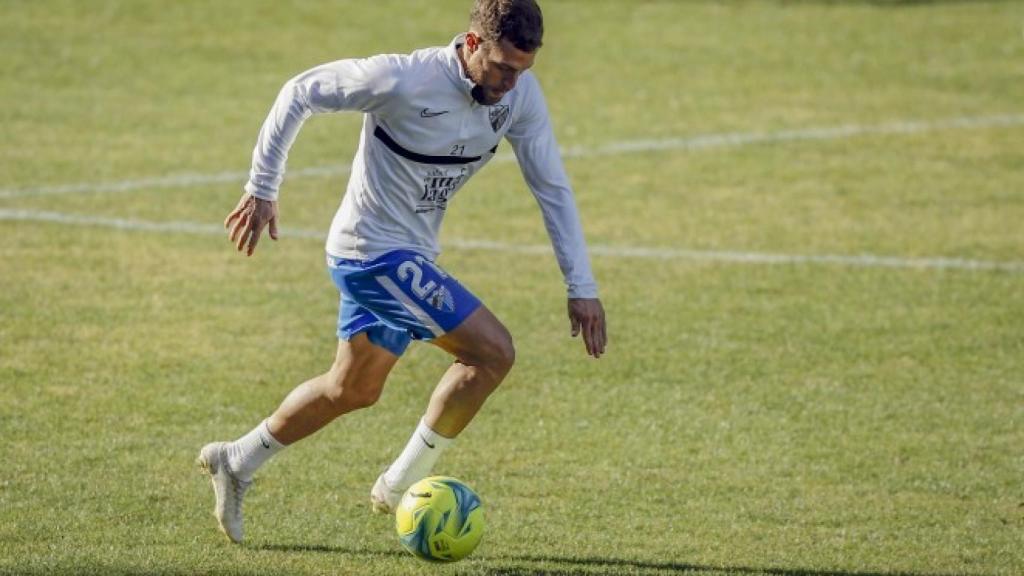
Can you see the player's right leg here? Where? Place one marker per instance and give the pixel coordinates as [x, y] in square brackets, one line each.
[354, 381]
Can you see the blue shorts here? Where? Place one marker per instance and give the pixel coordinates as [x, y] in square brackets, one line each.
[398, 297]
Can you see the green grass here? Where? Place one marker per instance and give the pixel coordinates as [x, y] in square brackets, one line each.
[794, 420]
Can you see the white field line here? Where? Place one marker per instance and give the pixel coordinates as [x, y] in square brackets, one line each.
[860, 260]
[186, 180]
[701, 142]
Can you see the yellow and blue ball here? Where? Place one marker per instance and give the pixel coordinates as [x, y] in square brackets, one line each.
[439, 519]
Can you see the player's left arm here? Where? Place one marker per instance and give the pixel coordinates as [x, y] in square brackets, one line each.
[533, 141]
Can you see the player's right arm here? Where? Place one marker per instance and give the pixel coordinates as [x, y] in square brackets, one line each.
[365, 85]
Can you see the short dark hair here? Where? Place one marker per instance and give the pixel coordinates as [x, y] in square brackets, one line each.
[518, 21]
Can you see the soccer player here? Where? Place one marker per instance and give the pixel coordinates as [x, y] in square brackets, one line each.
[431, 119]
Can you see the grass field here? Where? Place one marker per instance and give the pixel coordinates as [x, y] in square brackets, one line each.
[816, 367]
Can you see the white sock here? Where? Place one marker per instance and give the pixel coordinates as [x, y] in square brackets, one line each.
[249, 452]
[420, 454]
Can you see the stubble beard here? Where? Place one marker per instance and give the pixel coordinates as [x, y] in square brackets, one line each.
[479, 95]
[475, 73]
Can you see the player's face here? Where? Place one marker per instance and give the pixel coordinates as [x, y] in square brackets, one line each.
[494, 67]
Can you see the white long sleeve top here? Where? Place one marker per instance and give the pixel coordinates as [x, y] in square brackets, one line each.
[423, 137]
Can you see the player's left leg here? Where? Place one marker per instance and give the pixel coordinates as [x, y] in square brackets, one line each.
[484, 355]
[407, 291]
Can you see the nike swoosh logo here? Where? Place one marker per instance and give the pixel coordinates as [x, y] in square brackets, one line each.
[265, 443]
[420, 495]
[426, 113]
[429, 445]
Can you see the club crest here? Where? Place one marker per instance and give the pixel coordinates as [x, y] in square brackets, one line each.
[499, 114]
[442, 300]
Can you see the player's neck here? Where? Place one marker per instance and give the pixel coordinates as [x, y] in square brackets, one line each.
[460, 50]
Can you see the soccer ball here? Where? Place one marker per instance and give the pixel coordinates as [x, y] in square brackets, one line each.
[439, 519]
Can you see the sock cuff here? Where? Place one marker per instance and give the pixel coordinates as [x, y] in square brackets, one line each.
[432, 438]
[267, 438]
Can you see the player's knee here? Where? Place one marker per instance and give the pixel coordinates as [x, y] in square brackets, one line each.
[348, 398]
[346, 392]
[498, 355]
[505, 355]
[364, 397]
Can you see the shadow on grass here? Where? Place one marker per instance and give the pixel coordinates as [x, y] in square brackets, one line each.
[592, 566]
[524, 565]
[573, 566]
[326, 549]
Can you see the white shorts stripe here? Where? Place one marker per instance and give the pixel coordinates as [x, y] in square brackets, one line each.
[411, 306]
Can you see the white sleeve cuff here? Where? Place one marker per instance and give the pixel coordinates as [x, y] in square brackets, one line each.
[583, 290]
[261, 192]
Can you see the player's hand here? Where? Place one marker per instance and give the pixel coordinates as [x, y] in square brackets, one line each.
[587, 317]
[246, 222]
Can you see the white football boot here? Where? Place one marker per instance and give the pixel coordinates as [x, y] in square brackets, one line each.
[384, 498]
[227, 489]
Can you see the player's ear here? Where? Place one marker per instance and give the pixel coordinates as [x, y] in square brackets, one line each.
[473, 42]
